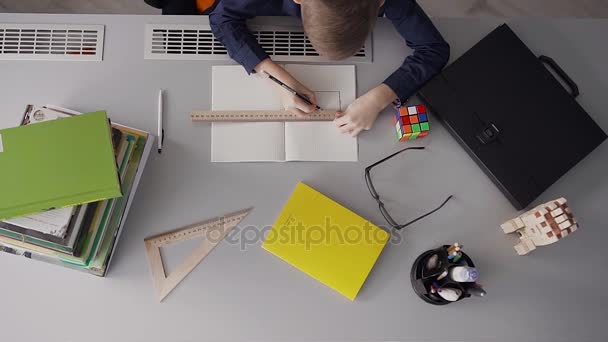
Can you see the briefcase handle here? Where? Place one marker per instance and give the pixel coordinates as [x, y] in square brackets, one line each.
[561, 73]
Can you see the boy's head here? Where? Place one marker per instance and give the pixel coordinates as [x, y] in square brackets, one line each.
[338, 28]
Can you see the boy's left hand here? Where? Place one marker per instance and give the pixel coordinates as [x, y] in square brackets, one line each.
[361, 114]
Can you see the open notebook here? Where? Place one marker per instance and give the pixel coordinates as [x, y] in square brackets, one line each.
[233, 89]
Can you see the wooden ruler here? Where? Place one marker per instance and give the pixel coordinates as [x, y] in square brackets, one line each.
[213, 231]
[259, 115]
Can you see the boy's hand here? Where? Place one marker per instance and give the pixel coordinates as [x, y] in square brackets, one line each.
[361, 114]
[291, 102]
[296, 105]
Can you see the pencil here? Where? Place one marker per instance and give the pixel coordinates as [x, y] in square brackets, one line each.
[290, 89]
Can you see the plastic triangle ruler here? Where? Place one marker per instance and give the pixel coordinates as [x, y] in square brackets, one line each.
[213, 231]
[259, 115]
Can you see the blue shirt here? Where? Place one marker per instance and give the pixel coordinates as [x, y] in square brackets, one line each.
[431, 52]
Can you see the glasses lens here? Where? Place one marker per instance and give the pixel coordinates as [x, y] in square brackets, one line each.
[383, 210]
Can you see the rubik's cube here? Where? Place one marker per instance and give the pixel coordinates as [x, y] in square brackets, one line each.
[541, 226]
[411, 122]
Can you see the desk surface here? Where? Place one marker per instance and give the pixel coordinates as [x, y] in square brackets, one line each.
[243, 292]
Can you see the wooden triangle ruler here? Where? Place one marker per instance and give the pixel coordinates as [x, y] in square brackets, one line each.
[259, 115]
[213, 231]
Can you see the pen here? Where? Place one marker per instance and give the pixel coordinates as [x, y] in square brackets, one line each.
[290, 89]
[161, 131]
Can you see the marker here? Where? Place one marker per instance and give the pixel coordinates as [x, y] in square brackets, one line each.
[464, 274]
[449, 294]
[161, 131]
[457, 257]
[290, 89]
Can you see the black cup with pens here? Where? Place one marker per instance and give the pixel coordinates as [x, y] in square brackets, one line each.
[445, 275]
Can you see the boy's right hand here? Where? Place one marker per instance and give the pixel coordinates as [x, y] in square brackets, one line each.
[290, 102]
[296, 105]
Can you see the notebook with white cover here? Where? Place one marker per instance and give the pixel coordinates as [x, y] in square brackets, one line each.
[233, 89]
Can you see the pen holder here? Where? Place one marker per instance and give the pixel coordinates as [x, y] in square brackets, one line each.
[422, 279]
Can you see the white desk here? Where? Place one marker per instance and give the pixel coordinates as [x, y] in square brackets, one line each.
[251, 295]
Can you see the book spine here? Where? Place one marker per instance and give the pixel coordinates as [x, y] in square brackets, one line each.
[5, 248]
[140, 170]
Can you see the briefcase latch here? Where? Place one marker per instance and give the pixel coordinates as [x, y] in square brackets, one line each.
[488, 134]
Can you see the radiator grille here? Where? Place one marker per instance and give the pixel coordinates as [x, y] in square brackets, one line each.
[51, 42]
[196, 42]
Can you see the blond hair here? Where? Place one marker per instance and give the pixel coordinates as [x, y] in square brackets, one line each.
[338, 28]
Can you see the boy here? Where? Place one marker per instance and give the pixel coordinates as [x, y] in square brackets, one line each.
[337, 29]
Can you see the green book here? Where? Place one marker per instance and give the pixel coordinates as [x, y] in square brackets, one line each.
[58, 163]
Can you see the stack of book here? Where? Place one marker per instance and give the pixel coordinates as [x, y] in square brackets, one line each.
[92, 198]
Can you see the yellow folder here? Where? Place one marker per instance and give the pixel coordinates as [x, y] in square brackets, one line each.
[326, 241]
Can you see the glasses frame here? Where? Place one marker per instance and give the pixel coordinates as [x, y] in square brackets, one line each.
[372, 190]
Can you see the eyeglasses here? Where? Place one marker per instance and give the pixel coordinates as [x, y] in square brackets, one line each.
[374, 193]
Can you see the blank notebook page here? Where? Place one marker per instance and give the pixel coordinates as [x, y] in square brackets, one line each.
[233, 89]
[335, 88]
